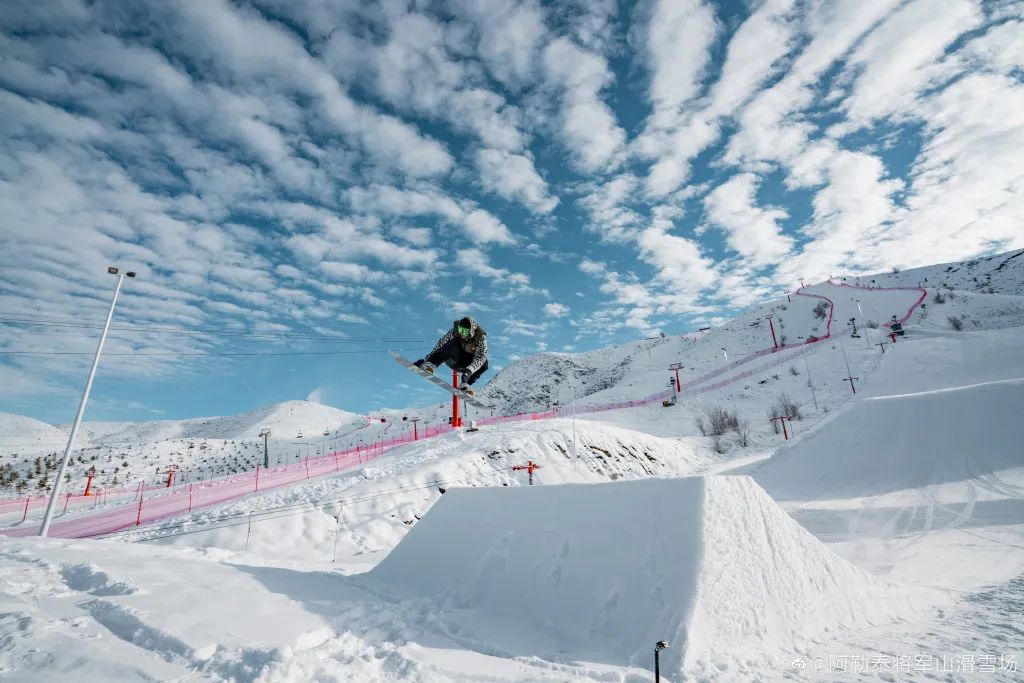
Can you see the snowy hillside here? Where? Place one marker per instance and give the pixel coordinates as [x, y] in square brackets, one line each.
[887, 528]
[997, 274]
[126, 453]
[288, 419]
[23, 433]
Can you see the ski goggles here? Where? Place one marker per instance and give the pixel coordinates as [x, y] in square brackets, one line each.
[462, 331]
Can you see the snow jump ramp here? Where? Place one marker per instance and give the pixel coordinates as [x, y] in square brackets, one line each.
[601, 572]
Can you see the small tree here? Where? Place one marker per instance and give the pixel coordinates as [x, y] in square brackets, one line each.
[821, 310]
[956, 323]
[939, 298]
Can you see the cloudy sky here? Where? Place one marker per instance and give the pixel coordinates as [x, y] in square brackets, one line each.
[301, 185]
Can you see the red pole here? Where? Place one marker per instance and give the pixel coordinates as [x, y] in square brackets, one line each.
[785, 433]
[307, 466]
[170, 477]
[257, 476]
[190, 497]
[892, 335]
[138, 519]
[416, 431]
[66, 501]
[88, 483]
[25, 515]
[775, 344]
[456, 421]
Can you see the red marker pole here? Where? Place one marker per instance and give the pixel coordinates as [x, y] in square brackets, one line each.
[257, 476]
[456, 420]
[24, 515]
[775, 344]
[138, 519]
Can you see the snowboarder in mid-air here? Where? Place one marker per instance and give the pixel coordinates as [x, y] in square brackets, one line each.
[464, 349]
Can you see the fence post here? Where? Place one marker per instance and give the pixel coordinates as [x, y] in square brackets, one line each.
[138, 519]
[25, 515]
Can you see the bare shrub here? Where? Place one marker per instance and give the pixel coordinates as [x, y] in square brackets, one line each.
[784, 405]
[821, 310]
[743, 432]
[699, 421]
[720, 421]
[956, 323]
[719, 443]
[873, 324]
[939, 298]
[793, 371]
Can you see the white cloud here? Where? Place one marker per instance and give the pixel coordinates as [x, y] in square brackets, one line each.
[509, 35]
[513, 176]
[679, 36]
[481, 226]
[588, 125]
[556, 310]
[606, 204]
[592, 267]
[752, 231]
[476, 262]
[900, 58]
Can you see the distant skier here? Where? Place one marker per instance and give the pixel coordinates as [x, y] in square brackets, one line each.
[464, 349]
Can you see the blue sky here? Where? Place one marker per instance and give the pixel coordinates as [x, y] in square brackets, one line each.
[301, 185]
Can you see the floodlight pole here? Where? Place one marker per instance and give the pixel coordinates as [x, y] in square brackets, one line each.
[810, 383]
[265, 432]
[864, 323]
[55, 493]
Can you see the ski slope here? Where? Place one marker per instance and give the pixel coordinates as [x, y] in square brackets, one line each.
[892, 524]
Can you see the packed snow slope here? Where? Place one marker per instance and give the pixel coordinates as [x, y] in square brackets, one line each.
[932, 449]
[598, 573]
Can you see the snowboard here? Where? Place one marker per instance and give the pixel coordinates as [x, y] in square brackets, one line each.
[472, 400]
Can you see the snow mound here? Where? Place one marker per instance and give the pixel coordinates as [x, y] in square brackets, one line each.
[977, 451]
[599, 573]
[17, 431]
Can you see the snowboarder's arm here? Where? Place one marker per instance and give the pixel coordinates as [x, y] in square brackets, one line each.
[448, 336]
[479, 357]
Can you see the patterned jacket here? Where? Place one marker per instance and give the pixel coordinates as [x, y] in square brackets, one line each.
[475, 345]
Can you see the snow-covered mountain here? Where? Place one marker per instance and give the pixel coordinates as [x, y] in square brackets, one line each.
[125, 453]
[287, 419]
[996, 274]
[18, 432]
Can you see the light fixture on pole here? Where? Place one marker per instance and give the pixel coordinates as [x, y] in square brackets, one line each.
[864, 323]
[55, 493]
[726, 354]
[810, 383]
[658, 647]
